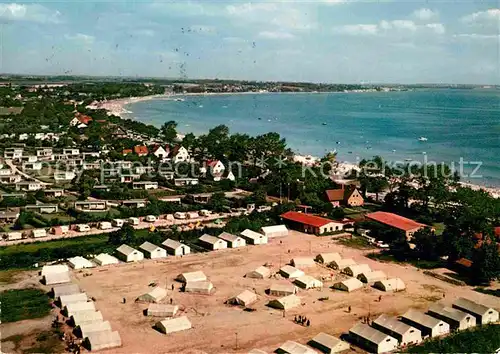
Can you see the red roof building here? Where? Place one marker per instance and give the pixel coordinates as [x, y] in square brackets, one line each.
[141, 150]
[84, 118]
[348, 196]
[125, 152]
[311, 223]
[408, 226]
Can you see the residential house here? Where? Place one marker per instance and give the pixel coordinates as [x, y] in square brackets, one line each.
[44, 154]
[64, 176]
[126, 152]
[140, 170]
[312, 224]
[5, 172]
[34, 166]
[23, 136]
[91, 205]
[166, 173]
[179, 154]
[96, 165]
[29, 158]
[145, 185]
[129, 177]
[134, 203]
[119, 133]
[405, 225]
[13, 153]
[161, 152]
[180, 182]
[141, 150]
[8, 217]
[71, 152]
[214, 168]
[10, 179]
[349, 196]
[28, 186]
[42, 208]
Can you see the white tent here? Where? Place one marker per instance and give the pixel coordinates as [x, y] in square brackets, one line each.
[162, 310]
[245, 298]
[290, 272]
[348, 285]
[176, 248]
[328, 344]
[282, 289]
[103, 340]
[372, 277]
[291, 347]
[285, 303]
[404, 333]
[84, 317]
[199, 287]
[65, 289]
[168, 326]
[129, 254]
[393, 284]
[371, 339]
[152, 251]
[155, 295]
[71, 309]
[259, 273]
[79, 262]
[56, 278]
[302, 262]
[356, 269]
[308, 282]
[274, 231]
[233, 241]
[69, 299]
[91, 327]
[253, 237]
[192, 276]
[51, 269]
[212, 242]
[483, 314]
[327, 258]
[104, 259]
[428, 325]
[341, 264]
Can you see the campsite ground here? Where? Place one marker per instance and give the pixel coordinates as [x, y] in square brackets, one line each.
[221, 328]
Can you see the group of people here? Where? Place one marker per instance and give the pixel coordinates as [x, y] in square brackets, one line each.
[302, 320]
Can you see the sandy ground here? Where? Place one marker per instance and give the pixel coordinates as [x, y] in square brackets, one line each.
[221, 328]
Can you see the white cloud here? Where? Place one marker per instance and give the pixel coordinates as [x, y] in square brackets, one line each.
[247, 9]
[80, 38]
[425, 14]
[473, 36]
[144, 32]
[483, 16]
[276, 35]
[360, 29]
[438, 28]
[389, 27]
[404, 25]
[29, 13]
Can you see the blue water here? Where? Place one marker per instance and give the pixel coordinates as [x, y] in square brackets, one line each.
[457, 123]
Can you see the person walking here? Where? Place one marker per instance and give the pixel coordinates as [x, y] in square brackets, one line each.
[349, 309]
[308, 323]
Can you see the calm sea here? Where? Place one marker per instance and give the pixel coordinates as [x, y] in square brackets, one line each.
[458, 124]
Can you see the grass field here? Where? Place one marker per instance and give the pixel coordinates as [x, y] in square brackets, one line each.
[422, 264]
[356, 242]
[478, 340]
[23, 304]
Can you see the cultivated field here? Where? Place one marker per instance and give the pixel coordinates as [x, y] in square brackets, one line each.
[219, 328]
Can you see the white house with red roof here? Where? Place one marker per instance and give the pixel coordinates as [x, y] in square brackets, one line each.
[180, 154]
[161, 152]
[313, 224]
[408, 226]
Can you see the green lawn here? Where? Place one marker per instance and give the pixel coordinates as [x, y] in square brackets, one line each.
[423, 264]
[477, 340]
[357, 242]
[23, 304]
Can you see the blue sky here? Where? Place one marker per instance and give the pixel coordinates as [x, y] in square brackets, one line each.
[348, 41]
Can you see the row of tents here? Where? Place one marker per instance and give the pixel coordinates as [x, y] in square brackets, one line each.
[88, 322]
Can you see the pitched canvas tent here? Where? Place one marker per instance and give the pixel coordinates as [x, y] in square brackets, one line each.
[212, 242]
[372, 277]
[254, 238]
[152, 251]
[129, 254]
[71, 309]
[290, 272]
[274, 231]
[302, 262]
[199, 287]
[371, 339]
[155, 295]
[104, 259]
[98, 326]
[291, 347]
[282, 289]
[103, 340]
[327, 258]
[68, 299]
[308, 282]
[483, 314]
[245, 298]
[84, 317]
[356, 269]
[65, 289]
[192, 276]
[233, 241]
[328, 344]
[342, 263]
[393, 284]
[428, 325]
[404, 333]
[348, 285]
[162, 310]
[176, 248]
[285, 303]
[51, 269]
[259, 273]
[458, 320]
[168, 326]
[79, 262]
[56, 278]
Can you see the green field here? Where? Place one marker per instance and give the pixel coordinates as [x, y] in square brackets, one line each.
[478, 340]
[23, 304]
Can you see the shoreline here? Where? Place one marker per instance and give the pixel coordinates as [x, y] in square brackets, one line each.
[117, 107]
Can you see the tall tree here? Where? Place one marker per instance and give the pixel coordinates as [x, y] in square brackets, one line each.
[169, 131]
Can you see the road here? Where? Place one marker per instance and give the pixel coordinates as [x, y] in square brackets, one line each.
[21, 173]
